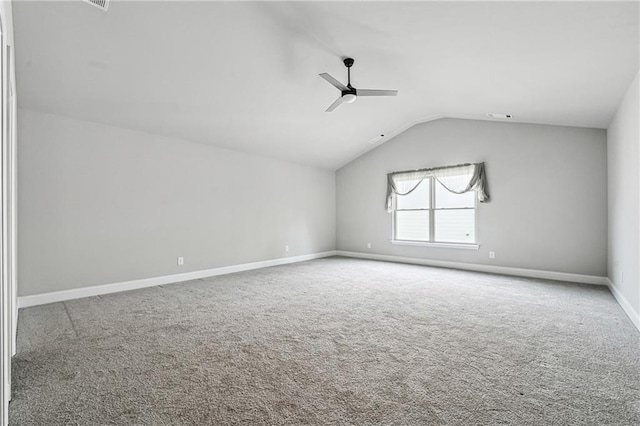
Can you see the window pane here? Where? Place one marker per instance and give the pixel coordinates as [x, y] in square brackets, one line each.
[449, 200]
[419, 198]
[412, 225]
[455, 226]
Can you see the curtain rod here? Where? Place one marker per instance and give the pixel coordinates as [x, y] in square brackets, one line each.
[434, 168]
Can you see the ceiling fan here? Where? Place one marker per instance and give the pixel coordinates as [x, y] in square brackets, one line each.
[350, 93]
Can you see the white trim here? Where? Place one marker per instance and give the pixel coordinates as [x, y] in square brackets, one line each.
[5, 287]
[77, 293]
[13, 194]
[436, 244]
[624, 304]
[504, 270]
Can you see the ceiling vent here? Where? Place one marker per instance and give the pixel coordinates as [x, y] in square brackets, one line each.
[100, 4]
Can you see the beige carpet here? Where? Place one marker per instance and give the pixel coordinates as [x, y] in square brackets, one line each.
[332, 341]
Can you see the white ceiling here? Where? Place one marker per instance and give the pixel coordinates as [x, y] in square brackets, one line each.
[244, 75]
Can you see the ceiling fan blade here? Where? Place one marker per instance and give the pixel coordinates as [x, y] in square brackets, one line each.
[341, 87]
[336, 104]
[373, 92]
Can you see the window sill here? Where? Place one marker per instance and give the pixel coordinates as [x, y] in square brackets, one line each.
[435, 244]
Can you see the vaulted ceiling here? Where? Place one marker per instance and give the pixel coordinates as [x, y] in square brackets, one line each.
[244, 75]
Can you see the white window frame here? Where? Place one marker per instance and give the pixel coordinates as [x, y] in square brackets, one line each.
[432, 203]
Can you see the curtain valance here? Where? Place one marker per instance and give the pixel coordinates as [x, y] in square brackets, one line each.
[457, 179]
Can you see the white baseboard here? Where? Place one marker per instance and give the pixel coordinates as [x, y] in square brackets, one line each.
[60, 296]
[624, 303]
[77, 293]
[504, 270]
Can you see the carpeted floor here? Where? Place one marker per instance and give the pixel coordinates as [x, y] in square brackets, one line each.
[332, 341]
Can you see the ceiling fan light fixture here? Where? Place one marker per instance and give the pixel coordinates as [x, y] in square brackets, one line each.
[349, 98]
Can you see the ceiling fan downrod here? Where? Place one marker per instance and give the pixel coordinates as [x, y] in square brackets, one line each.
[348, 62]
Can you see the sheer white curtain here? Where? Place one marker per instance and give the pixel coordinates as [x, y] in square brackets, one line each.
[403, 183]
[457, 179]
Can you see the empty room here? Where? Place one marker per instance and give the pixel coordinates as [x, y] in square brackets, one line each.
[320, 212]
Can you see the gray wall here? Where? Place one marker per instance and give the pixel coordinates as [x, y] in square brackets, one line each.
[623, 139]
[548, 186]
[99, 204]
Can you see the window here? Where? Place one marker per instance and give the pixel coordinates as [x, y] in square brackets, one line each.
[431, 213]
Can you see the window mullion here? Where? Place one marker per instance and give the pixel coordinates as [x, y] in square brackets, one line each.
[432, 205]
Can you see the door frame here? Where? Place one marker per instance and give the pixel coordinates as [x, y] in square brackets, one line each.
[8, 219]
[5, 293]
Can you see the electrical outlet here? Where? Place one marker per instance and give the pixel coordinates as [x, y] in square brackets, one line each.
[180, 261]
[368, 245]
[286, 248]
[492, 255]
